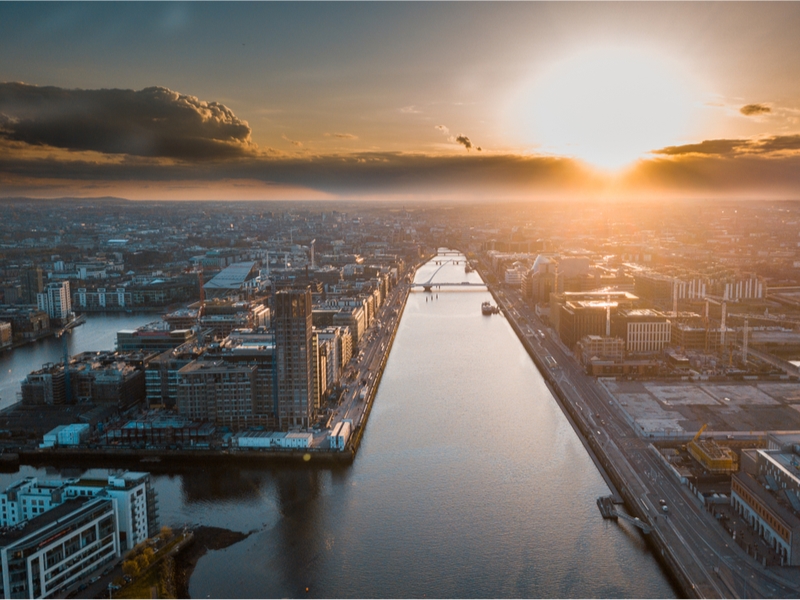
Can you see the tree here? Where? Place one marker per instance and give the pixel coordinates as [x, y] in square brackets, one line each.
[131, 567]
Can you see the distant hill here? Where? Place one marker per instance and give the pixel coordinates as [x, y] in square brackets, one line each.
[26, 200]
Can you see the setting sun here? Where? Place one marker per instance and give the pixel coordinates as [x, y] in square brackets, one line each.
[608, 107]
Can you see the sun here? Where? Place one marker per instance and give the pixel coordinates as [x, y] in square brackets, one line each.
[608, 107]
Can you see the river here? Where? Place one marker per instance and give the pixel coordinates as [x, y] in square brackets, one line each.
[98, 333]
[470, 482]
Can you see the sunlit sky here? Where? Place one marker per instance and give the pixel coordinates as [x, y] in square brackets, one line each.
[400, 100]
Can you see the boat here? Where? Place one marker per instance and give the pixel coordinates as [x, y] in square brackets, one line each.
[488, 309]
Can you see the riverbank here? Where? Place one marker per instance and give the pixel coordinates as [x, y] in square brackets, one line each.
[205, 539]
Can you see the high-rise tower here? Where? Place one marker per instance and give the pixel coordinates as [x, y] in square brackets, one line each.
[295, 364]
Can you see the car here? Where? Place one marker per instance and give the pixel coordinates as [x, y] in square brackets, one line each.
[95, 579]
[662, 502]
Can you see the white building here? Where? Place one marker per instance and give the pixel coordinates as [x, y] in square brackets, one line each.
[55, 300]
[341, 434]
[648, 337]
[132, 496]
[273, 439]
[66, 435]
[46, 555]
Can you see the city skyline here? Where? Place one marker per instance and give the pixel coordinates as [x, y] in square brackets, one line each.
[399, 101]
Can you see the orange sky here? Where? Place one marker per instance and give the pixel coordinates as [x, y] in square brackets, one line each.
[410, 100]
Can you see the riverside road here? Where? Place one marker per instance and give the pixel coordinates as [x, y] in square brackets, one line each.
[705, 559]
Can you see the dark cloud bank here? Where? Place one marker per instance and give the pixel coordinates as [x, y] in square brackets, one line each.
[153, 122]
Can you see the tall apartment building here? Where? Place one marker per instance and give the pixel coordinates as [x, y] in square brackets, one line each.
[32, 285]
[295, 358]
[56, 300]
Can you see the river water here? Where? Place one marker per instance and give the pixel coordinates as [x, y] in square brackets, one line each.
[98, 333]
[469, 482]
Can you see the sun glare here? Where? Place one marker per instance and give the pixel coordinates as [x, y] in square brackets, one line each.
[608, 107]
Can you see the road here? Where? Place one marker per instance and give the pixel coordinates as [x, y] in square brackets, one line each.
[366, 364]
[711, 562]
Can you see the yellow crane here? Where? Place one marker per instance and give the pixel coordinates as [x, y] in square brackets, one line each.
[702, 429]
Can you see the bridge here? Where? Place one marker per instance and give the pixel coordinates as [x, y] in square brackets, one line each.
[429, 285]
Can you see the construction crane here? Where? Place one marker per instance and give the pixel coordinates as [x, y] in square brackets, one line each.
[697, 435]
[67, 387]
[723, 304]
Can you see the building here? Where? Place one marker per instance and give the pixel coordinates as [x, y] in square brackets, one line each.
[295, 358]
[6, 337]
[577, 314]
[715, 459]
[26, 323]
[766, 493]
[354, 318]
[56, 533]
[644, 330]
[238, 279]
[596, 346]
[540, 281]
[161, 374]
[32, 285]
[103, 378]
[51, 552]
[216, 391]
[56, 301]
[66, 435]
[101, 299]
[154, 336]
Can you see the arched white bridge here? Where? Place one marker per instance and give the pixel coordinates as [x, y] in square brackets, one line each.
[429, 285]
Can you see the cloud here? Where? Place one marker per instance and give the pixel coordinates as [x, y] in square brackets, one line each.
[410, 110]
[466, 142]
[357, 174]
[458, 139]
[342, 136]
[778, 143]
[772, 145]
[717, 147]
[153, 122]
[749, 110]
[751, 175]
[291, 141]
